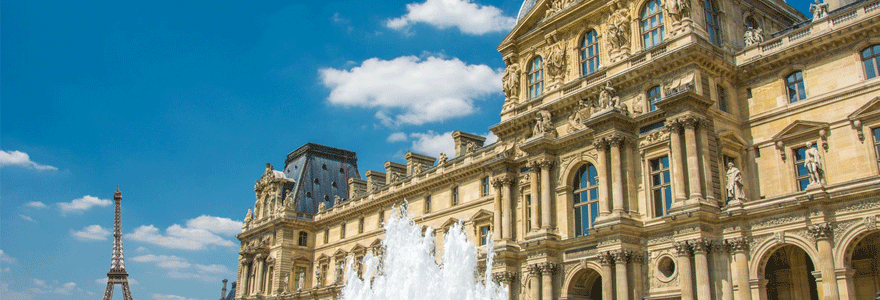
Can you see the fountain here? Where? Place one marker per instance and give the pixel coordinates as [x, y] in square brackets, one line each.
[408, 268]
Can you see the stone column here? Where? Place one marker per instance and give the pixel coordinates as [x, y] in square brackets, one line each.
[705, 162]
[695, 179]
[545, 195]
[621, 257]
[678, 183]
[616, 174]
[534, 167]
[822, 233]
[701, 248]
[602, 174]
[605, 260]
[722, 271]
[686, 279]
[507, 207]
[261, 263]
[245, 275]
[499, 210]
[547, 271]
[754, 190]
[535, 271]
[740, 248]
[636, 261]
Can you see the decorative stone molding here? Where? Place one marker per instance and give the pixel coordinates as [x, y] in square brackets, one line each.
[534, 269]
[701, 245]
[605, 258]
[545, 163]
[504, 277]
[870, 223]
[821, 231]
[547, 268]
[740, 244]
[683, 248]
[621, 256]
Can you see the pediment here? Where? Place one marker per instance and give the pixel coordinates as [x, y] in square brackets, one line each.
[339, 253]
[449, 223]
[527, 22]
[323, 257]
[358, 248]
[798, 129]
[376, 243]
[482, 214]
[867, 111]
[731, 137]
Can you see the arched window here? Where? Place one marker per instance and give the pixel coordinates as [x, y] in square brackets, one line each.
[652, 23]
[712, 25]
[871, 59]
[536, 77]
[303, 238]
[751, 23]
[586, 199]
[653, 96]
[795, 85]
[589, 53]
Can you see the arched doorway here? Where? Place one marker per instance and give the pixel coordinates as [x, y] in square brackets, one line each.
[585, 285]
[863, 260]
[788, 272]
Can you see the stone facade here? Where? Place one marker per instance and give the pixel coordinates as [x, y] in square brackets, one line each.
[701, 149]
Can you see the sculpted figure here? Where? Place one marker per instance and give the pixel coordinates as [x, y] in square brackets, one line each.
[322, 206]
[288, 199]
[678, 9]
[555, 59]
[753, 36]
[543, 123]
[337, 200]
[812, 162]
[734, 183]
[443, 158]
[417, 169]
[248, 218]
[395, 176]
[618, 27]
[608, 97]
[510, 81]
[301, 282]
[471, 147]
[819, 10]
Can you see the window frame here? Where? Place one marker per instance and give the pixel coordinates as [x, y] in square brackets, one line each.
[875, 133]
[427, 204]
[874, 59]
[454, 197]
[722, 98]
[303, 239]
[652, 100]
[646, 14]
[591, 204]
[589, 44]
[713, 29]
[535, 77]
[798, 163]
[796, 79]
[665, 186]
[484, 234]
[485, 189]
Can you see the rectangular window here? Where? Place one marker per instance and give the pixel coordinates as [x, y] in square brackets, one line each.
[661, 187]
[326, 236]
[381, 219]
[455, 196]
[340, 269]
[342, 230]
[361, 225]
[485, 190]
[484, 235]
[801, 172]
[322, 280]
[722, 99]
[428, 204]
[303, 238]
[795, 86]
[876, 132]
[529, 211]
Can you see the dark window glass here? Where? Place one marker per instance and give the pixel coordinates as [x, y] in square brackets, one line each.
[722, 99]
[661, 186]
[801, 172]
[484, 235]
[589, 53]
[795, 85]
[871, 59]
[485, 190]
[455, 196]
[877, 142]
[303, 238]
[652, 23]
[586, 199]
[536, 77]
[653, 97]
[712, 25]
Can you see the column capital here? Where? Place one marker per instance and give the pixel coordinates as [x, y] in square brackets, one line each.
[683, 248]
[533, 165]
[821, 231]
[673, 125]
[616, 140]
[622, 256]
[497, 182]
[691, 122]
[545, 163]
[534, 269]
[605, 258]
[701, 245]
[739, 244]
[547, 268]
[504, 277]
[600, 144]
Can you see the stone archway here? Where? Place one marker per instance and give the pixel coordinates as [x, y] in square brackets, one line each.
[788, 272]
[586, 284]
[865, 265]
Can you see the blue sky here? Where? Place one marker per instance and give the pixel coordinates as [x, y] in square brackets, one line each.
[181, 103]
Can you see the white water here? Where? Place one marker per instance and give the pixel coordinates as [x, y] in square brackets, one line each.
[410, 270]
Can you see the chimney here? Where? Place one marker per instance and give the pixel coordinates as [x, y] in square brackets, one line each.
[392, 168]
[223, 292]
[413, 159]
[462, 139]
[375, 180]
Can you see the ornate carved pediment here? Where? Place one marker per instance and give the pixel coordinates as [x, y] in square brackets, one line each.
[732, 139]
[482, 215]
[358, 248]
[339, 253]
[799, 129]
[868, 112]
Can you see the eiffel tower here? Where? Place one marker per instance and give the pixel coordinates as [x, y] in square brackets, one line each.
[117, 274]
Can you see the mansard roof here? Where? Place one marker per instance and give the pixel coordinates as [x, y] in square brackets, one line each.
[524, 9]
[321, 174]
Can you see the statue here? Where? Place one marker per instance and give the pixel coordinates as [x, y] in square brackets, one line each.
[471, 148]
[753, 36]
[607, 98]
[443, 158]
[395, 176]
[247, 219]
[301, 282]
[543, 123]
[322, 206]
[734, 183]
[553, 6]
[510, 81]
[288, 199]
[618, 27]
[813, 163]
[575, 121]
[678, 10]
[318, 278]
[337, 200]
[417, 169]
[819, 10]
[284, 287]
[555, 59]
[638, 106]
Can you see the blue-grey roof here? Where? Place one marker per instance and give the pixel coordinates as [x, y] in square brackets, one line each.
[321, 173]
[231, 295]
[524, 9]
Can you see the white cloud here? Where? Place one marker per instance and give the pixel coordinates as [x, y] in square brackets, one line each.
[91, 233]
[216, 225]
[432, 143]
[198, 234]
[396, 137]
[412, 90]
[21, 159]
[141, 249]
[36, 204]
[169, 297]
[468, 17]
[4, 258]
[27, 218]
[179, 268]
[82, 204]
[41, 287]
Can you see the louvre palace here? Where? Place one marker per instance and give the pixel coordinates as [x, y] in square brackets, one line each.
[647, 149]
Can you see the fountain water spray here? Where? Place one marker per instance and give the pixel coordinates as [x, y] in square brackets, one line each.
[407, 268]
